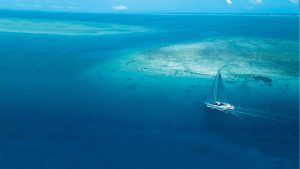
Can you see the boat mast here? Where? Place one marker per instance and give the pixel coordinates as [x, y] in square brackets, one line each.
[216, 86]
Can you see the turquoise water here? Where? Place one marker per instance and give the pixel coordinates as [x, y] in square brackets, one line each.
[127, 91]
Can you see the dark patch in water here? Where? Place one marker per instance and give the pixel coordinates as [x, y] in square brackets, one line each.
[250, 77]
[188, 91]
[263, 79]
[266, 80]
[132, 86]
[192, 86]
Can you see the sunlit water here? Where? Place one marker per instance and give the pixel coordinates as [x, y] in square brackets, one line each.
[134, 98]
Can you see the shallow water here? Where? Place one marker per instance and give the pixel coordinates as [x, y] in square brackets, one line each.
[66, 102]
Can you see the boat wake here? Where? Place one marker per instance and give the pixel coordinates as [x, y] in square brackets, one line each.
[276, 125]
[268, 124]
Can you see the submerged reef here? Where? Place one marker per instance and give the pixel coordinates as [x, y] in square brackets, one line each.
[259, 59]
[59, 27]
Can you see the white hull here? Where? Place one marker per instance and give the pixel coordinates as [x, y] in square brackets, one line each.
[221, 107]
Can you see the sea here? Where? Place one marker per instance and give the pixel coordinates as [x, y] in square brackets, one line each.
[127, 91]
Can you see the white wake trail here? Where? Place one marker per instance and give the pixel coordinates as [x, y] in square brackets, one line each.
[266, 123]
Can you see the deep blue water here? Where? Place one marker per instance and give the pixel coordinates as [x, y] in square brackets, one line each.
[53, 116]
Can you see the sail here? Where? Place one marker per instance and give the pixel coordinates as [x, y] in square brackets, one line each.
[217, 93]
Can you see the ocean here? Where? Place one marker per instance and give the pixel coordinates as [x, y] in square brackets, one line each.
[127, 91]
